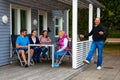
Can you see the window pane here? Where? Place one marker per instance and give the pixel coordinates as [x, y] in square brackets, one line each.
[23, 19]
[14, 21]
[57, 21]
[58, 25]
[57, 30]
[41, 21]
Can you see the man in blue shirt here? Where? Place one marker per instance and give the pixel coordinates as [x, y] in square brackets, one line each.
[98, 34]
[22, 42]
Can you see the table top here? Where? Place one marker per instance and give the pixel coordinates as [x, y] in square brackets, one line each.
[50, 44]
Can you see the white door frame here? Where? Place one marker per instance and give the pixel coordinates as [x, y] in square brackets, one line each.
[44, 13]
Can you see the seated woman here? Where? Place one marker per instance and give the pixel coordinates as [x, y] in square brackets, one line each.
[63, 47]
[35, 49]
[44, 39]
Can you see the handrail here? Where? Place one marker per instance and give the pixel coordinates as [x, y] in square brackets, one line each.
[83, 41]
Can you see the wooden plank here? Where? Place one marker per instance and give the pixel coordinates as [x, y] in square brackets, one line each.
[40, 71]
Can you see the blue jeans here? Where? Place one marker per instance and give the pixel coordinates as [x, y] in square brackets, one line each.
[37, 52]
[94, 45]
[44, 50]
[57, 54]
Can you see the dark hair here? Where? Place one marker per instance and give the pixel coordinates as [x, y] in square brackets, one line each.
[33, 30]
[22, 30]
[43, 32]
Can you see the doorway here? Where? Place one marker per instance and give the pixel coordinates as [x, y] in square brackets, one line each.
[42, 21]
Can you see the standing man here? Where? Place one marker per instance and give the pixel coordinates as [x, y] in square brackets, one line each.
[98, 34]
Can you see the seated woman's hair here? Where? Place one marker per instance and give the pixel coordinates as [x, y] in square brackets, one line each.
[33, 30]
[43, 32]
[62, 32]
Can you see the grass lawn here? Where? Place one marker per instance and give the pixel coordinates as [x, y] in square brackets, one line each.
[112, 49]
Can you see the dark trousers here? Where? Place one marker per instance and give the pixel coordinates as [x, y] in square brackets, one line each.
[37, 52]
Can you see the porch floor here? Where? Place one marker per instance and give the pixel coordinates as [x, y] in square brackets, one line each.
[110, 70]
[40, 71]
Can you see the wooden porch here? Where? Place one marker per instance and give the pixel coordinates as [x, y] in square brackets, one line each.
[39, 71]
[44, 71]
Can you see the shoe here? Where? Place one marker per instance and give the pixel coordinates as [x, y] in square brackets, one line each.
[60, 63]
[86, 62]
[44, 55]
[26, 65]
[31, 63]
[99, 67]
[56, 65]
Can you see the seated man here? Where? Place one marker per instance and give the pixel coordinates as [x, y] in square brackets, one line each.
[22, 42]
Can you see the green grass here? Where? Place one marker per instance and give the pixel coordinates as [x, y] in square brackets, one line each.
[114, 35]
[112, 49]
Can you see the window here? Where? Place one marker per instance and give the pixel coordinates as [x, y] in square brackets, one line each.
[23, 15]
[58, 25]
[42, 22]
[21, 19]
[14, 21]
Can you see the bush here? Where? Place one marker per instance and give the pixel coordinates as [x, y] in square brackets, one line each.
[114, 35]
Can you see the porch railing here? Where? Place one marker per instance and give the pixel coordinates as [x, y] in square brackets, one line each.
[82, 51]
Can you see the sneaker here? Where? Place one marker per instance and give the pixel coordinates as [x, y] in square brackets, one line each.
[99, 67]
[44, 55]
[26, 65]
[31, 63]
[60, 63]
[86, 62]
[56, 65]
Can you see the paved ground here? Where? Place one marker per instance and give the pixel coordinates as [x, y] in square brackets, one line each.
[110, 70]
[113, 40]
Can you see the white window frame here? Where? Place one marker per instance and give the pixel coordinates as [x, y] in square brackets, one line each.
[18, 7]
[60, 26]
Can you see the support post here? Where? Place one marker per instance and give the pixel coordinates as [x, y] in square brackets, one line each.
[74, 33]
[98, 12]
[67, 24]
[90, 19]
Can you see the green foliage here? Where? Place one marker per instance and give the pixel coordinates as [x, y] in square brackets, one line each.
[114, 35]
[111, 14]
[112, 46]
[110, 18]
[82, 22]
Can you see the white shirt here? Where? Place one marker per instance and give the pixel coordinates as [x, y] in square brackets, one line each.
[34, 40]
[65, 45]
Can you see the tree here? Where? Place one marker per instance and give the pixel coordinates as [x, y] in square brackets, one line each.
[111, 14]
[110, 17]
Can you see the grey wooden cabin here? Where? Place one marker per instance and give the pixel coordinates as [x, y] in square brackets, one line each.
[51, 15]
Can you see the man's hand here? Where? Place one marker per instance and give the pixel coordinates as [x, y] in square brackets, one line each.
[101, 32]
[81, 36]
[26, 47]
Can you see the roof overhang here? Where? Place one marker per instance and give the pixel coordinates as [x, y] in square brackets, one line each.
[84, 3]
[57, 4]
